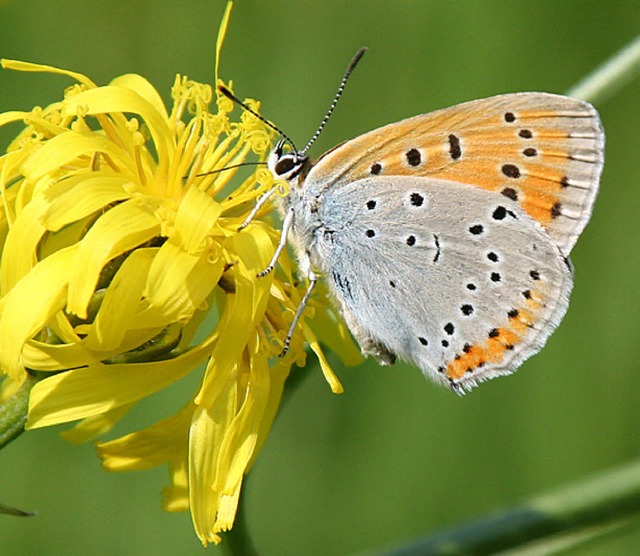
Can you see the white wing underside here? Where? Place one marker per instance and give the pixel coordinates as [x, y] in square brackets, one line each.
[432, 271]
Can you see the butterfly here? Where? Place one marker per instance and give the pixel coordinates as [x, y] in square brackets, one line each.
[444, 238]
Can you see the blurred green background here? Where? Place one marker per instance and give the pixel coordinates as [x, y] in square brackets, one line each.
[394, 457]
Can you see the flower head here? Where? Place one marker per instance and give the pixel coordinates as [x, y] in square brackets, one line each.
[123, 270]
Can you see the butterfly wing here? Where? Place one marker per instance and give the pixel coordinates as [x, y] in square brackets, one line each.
[453, 278]
[545, 152]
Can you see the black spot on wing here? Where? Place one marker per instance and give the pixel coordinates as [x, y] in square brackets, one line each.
[416, 199]
[511, 171]
[414, 158]
[455, 150]
[510, 193]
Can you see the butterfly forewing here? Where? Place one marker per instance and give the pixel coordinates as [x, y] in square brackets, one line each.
[542, 151]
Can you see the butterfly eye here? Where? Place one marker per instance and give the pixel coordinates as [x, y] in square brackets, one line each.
[284, 165]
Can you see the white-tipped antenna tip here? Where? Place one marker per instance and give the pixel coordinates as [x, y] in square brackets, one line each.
[357, 57]
[354, 62]
[336, 98]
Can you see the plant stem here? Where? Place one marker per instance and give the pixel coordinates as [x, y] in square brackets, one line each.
[611, 76]
[569, 516]
[13, 412]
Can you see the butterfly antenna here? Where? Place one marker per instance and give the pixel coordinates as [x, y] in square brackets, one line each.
[343, 84]
[231, 167]
[227, 93]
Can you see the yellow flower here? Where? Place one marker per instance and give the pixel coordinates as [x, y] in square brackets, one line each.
[119, 235]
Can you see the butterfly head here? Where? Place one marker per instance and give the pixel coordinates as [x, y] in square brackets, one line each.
[286, 163]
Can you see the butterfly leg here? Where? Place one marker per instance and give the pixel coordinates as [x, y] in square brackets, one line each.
[313, 280]
[259, 203]
[286, 226]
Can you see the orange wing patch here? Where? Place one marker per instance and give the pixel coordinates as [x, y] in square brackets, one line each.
[543, 151]
[499, 342]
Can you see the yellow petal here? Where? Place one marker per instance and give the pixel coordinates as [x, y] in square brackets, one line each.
[85, 196]
[205, 436]
[14, 116]
[222, 31]
[90, 428]
[70, 146]
[196, 217]
[182, 275]
[31, 303]
[149, 447]
[241, 437]
[120, 229]
[122, 300]
[177, 285]
[58, 357]
[19, 254]
[329, 375]
[243, 311]
[175, 498]
[115, 99]
[10, 170]
[146, 90]
[30, 67]
[82, 393]
[334, 334]
[228, 508]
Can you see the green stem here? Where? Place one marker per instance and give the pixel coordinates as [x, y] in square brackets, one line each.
[567, 516]
[611, 76]
[13, 412]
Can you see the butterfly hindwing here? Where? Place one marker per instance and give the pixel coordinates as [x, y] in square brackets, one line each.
[453, 278]
[541, 151]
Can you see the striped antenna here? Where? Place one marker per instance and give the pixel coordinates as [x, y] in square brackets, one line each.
[343, 84]
[227, 93]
